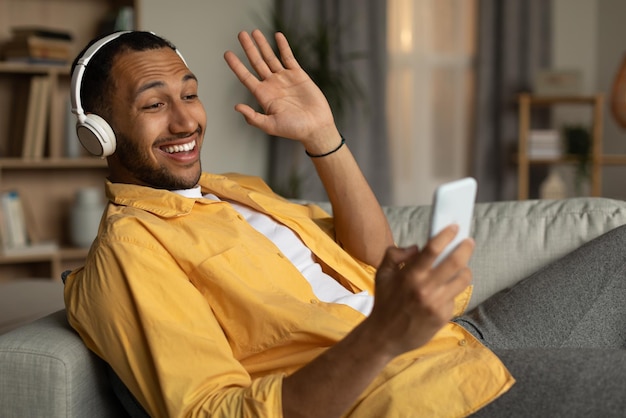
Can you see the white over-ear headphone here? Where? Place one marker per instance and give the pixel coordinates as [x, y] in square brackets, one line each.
[94, 133]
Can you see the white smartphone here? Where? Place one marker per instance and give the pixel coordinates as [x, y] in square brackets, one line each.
[453, 203]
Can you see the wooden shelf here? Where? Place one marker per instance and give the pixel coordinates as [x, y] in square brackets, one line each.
[54, 263]
[615, 159]
[47, 184]
[565, 159]
[552, 100]
[51, 163]
[7, 67]
[62, 253]
[597, 160]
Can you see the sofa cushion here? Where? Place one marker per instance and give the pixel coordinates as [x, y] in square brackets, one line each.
[46, 370]
[514, 239]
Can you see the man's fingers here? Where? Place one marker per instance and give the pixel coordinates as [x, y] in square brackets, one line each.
[286, 54]
[395, 258]
[270, 58]
[254, 56]
[436, 245]
[397, 255]
[245, 77]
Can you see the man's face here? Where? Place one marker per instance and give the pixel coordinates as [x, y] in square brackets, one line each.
[158, 121]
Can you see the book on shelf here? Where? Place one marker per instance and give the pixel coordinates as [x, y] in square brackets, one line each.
[14, 220]
[17, 234]
[545, 143]
[42, 31]
[17, 118]
[34, 137]
[28, 135]
[41, 121]
[39, 45]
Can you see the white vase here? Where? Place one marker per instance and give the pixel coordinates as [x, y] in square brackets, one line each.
[553, 187]
[85, 216]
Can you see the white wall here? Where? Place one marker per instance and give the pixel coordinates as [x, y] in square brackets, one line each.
[590, 35]
[574, 47]
[574, 25]
[202, 30]
[611, 43]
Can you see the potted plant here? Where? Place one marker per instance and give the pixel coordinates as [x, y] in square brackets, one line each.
[578, 144]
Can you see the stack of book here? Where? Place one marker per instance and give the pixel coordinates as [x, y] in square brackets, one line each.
[544, 143]
[30, 116]
[39, 45]
[17, 234]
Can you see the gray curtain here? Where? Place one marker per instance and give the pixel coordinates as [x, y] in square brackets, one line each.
[513, 43]
[360, 49]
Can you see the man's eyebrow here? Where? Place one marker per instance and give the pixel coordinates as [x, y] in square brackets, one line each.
[157, 84]
[190, 76]
[148, 86]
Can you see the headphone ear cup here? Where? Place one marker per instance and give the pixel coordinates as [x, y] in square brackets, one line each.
[96, 135]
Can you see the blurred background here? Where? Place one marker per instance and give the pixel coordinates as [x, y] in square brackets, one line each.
[425, 91]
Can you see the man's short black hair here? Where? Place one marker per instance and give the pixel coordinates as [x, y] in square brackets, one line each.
[97, 80]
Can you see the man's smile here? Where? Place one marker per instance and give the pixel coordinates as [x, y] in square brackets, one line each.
[171, 149]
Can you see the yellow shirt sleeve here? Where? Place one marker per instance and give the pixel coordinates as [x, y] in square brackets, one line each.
[173, 356]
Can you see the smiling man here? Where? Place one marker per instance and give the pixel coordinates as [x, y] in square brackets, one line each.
[198, 289]
[209, 295]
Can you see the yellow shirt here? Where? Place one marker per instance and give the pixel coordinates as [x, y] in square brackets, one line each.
[201, 315]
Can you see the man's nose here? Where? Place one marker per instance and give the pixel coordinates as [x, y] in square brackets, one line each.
[182, 117]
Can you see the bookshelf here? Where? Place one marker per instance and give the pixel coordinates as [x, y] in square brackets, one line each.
[596, 103]
[48, 179]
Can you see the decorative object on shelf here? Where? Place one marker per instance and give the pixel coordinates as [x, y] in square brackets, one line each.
[558, 83]
[578, 143]
[120, 19]
[553, 187]
[618, 95]
[73, 149]
[85, 216]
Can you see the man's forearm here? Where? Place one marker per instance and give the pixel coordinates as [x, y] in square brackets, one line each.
[330, 384]
[360, 223]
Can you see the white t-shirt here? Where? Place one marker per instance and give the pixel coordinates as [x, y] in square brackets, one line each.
[324, 286]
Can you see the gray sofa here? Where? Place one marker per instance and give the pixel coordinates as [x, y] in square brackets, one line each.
[46, 371]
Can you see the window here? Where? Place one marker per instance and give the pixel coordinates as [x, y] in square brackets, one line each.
[430, 87]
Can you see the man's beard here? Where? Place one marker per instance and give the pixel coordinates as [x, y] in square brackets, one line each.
[136, 161]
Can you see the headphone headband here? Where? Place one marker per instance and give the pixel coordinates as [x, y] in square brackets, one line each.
[79, 70]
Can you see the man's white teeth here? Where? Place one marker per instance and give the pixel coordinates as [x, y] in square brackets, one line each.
[180, 148]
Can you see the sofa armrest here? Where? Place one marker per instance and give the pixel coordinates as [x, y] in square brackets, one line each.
[514, 239]
[46, 370]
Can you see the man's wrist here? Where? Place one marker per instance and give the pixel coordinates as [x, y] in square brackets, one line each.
[332, 151]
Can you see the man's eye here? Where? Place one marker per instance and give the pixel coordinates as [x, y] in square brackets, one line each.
[190, 97]
[153, 106]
